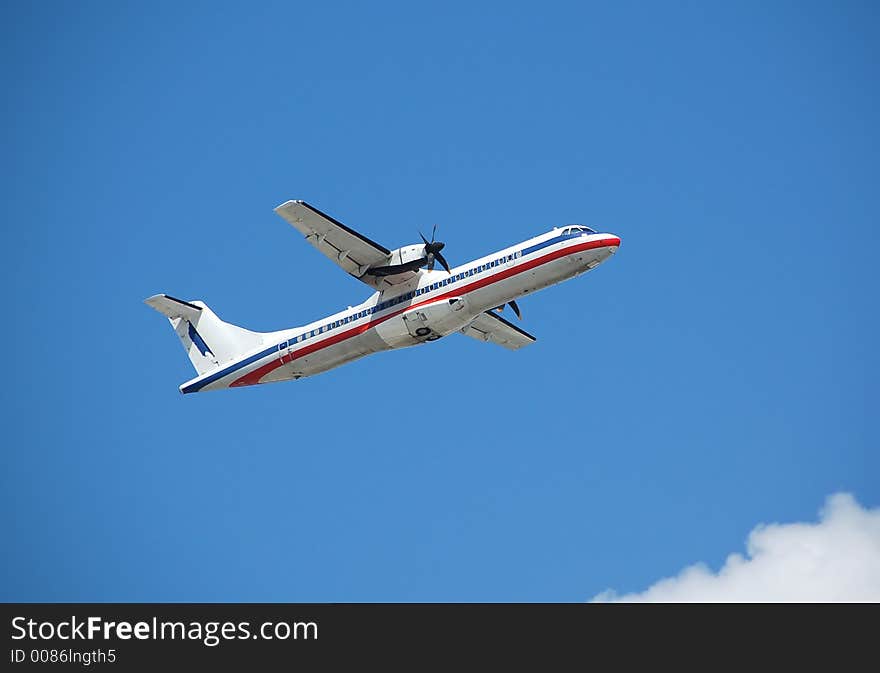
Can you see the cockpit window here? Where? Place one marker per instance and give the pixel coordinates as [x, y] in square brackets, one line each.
[577, 230]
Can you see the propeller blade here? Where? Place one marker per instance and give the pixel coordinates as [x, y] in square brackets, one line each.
[515, 309]
[440, 257]
[423, 238]
[430, 259]
[433, 231]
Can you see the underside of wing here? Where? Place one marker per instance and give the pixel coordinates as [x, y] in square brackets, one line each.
[491, 327]
[345, 247]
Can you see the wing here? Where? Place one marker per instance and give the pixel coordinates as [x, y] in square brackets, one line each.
[490, 326]
[353, 252]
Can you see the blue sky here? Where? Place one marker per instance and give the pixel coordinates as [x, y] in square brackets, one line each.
[719, 372]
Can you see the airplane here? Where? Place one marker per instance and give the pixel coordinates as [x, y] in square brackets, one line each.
[413, 303]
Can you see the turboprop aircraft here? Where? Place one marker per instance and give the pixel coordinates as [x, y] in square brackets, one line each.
[412, 302]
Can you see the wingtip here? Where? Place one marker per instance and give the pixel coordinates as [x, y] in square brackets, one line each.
[287, 204]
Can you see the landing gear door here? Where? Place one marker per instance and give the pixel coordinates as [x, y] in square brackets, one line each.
[417, 324]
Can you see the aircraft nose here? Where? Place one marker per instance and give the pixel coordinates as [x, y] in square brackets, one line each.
[614, 243]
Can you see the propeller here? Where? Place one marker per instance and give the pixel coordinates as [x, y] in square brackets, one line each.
[432, 251]
[512, 305]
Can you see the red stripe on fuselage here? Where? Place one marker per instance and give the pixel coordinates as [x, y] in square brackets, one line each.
[253, 378]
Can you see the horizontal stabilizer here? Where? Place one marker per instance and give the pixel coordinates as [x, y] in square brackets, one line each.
[172, 308]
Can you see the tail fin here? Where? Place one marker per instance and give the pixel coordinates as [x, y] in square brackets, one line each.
[207, 340]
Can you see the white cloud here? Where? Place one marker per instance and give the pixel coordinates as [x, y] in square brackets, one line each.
[836, 559]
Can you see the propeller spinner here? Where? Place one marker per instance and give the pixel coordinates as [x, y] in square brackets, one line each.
[432, 251]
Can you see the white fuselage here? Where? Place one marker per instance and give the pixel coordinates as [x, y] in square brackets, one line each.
[431, 305]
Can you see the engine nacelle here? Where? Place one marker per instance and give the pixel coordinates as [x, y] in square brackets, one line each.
[408, 253]
[425, 323]
[407, 258]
